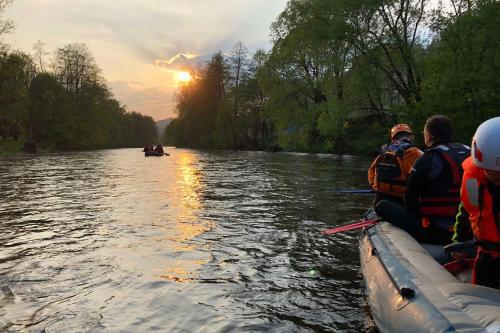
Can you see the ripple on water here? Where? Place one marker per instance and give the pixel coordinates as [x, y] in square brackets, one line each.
[192, 242]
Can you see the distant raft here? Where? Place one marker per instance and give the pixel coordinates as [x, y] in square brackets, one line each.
[409, 291]
[153, 153]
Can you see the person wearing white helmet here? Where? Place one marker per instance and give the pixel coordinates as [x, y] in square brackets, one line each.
[479, 213]
[389, 172]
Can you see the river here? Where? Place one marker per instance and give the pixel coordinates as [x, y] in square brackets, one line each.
[198, 241]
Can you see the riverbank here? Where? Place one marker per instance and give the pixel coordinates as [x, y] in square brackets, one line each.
[11, 146]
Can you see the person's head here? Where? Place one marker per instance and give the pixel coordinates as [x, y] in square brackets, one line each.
[437, 129]
[486, 149]
[400, 132]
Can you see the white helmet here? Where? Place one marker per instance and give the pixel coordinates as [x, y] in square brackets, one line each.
[486, 145]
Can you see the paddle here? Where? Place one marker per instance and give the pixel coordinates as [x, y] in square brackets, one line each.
[350, 191]
[460, 246]
[353, 226]
[457, 266]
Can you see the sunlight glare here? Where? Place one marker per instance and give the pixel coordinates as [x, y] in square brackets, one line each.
[184, 77]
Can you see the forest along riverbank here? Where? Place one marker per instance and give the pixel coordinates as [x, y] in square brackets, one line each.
[195, 241]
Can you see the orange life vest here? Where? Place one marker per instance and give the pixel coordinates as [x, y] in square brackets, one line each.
[390, 171]
[478, 203]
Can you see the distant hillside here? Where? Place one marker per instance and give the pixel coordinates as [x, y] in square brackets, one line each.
[161, 124]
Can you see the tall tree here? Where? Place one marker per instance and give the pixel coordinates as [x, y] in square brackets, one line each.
[304, 77]
[392, 28]
[74, 66]
[199, 101]
[50, 121]
[238, 63]
[5, 24]
[462, 69]
[40, 53]
[16, 72]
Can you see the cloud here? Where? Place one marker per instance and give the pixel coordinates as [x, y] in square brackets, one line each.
[177, 62]
[144, 41]
[182, 62]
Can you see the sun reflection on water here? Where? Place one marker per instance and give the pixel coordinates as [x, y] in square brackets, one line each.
[189, 183]
[186, 222]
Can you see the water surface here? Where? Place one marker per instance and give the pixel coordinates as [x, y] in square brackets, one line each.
[191, 242]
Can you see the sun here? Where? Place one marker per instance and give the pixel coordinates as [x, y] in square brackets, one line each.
[184, 77]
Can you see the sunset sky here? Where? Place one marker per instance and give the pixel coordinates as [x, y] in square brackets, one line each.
[141, 45]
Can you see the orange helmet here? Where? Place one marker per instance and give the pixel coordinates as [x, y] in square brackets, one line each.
[400, 128]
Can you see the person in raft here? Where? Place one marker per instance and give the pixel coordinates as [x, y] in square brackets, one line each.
[159, 149]
[479, 212]
[432, 193]
[389, 172]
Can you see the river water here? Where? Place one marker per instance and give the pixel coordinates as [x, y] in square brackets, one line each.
[111, 241]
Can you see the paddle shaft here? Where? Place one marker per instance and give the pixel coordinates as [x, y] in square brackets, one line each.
[352, 226]
[350, 191]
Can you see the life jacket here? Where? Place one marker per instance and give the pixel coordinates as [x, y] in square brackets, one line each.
[391, 171]
[441, 199]
[478, 203]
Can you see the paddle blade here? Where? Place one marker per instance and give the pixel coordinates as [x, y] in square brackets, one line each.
[353, 226]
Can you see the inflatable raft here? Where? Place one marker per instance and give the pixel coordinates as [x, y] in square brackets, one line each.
[153, 153]
[409, 291]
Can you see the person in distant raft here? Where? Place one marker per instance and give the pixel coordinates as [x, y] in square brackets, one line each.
[159, 149]
[432, 194]
[479, 214]
[389, 172]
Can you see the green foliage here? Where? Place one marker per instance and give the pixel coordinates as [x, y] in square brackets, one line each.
[197, 106]
[341, 73]
[50, 113]
[462, 69]
[69, 109]
[10, 146]
[15, 76]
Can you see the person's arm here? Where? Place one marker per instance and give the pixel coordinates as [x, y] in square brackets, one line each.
[426, 169]
[415, 184]
[413, 190]
[371, 173]
[462, 228]
[410, 157]
[462, 232]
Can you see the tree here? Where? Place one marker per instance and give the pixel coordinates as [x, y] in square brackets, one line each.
[238, 64]
[5, 25]
[51, 116]
[16, 71]
[74, 66]
[240, 120]
[39, 54]
[144, 129]
[393, 29]
[304, 77]
[462, 69]
[198, 103]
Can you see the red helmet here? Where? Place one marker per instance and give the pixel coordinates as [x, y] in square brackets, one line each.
[400, 128]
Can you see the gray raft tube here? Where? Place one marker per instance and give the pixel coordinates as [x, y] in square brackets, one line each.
[409, 291]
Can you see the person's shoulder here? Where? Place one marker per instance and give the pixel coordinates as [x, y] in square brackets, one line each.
[384, 148]
[460, 145]
[413, 153]
[424, 162]
[415, 150]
